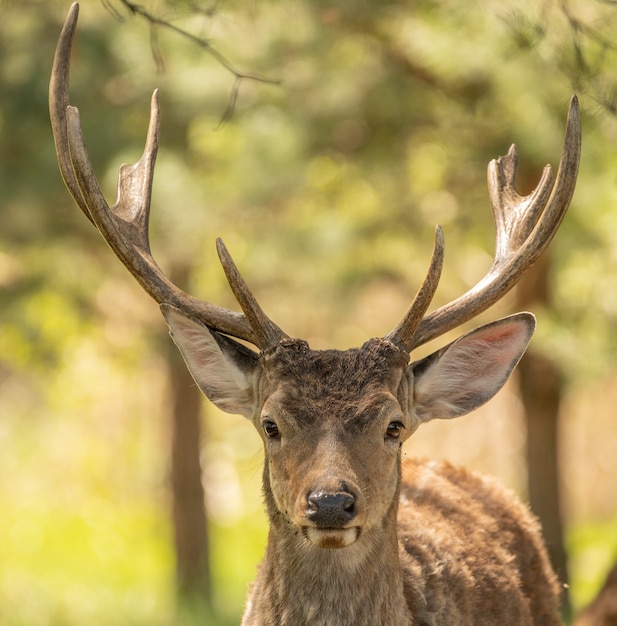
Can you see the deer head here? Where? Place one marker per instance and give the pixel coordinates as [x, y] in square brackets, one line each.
[332, 422]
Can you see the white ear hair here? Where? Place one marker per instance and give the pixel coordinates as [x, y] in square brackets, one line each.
[223, 369]
[469, 371]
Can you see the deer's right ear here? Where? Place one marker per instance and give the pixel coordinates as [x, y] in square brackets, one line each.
[224, 369]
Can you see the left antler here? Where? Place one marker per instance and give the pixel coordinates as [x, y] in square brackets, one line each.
[525, 227]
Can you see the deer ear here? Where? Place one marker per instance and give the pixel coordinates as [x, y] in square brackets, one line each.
[224, 369]
[468, 372]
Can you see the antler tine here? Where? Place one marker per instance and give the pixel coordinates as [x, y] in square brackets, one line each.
[269, 334]
[125, 225]
[58, 103]
[402, 336]
[525, 227]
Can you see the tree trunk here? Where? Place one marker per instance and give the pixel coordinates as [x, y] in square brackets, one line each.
[188, 506]
[541, 392]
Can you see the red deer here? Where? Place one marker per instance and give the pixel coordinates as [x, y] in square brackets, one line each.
[358, 537]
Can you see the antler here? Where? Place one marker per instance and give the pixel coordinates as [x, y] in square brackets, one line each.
[525, 227]
[125, 225]
[402, 336]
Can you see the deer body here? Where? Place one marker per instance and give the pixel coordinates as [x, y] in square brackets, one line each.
[449, 571]
[357, 537]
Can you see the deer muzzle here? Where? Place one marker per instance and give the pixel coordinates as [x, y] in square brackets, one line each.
[331, 518]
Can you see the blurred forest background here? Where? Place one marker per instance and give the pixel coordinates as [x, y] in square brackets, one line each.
[323, 142]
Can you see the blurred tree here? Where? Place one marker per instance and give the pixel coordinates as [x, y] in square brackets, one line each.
[189, 504]
[541, 386]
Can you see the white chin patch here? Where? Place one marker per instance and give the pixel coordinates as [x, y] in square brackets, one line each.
[331, 538]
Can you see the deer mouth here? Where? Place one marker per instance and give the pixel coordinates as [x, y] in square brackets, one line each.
[331, 538]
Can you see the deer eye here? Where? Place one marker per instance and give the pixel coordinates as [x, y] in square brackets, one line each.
[395, 429]
[270, 428]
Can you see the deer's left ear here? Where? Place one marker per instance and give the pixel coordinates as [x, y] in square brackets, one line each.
[468, 372]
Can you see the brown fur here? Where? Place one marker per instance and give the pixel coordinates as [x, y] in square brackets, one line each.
[481, 554]
[425, 544]
[469, 554]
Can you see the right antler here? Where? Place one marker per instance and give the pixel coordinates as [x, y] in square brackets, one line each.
[525, 227]
[125, 225]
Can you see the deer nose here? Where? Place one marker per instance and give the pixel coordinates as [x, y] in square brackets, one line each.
[331, 510]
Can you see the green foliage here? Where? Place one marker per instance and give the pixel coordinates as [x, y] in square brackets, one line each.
[594, 549]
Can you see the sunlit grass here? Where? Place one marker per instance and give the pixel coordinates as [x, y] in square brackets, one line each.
[110, 565]
[91, 565]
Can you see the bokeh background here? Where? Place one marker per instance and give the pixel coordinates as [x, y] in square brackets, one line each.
[323, 142]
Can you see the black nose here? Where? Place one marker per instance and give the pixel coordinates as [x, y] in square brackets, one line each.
[331, 510]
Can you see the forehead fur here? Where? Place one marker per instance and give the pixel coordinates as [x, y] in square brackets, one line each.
[320, 373]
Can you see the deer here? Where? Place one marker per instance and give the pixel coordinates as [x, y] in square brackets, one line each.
[357, 534]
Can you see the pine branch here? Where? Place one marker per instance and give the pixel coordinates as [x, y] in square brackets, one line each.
[157, 23]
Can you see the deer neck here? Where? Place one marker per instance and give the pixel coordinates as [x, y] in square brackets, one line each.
[359, 585]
